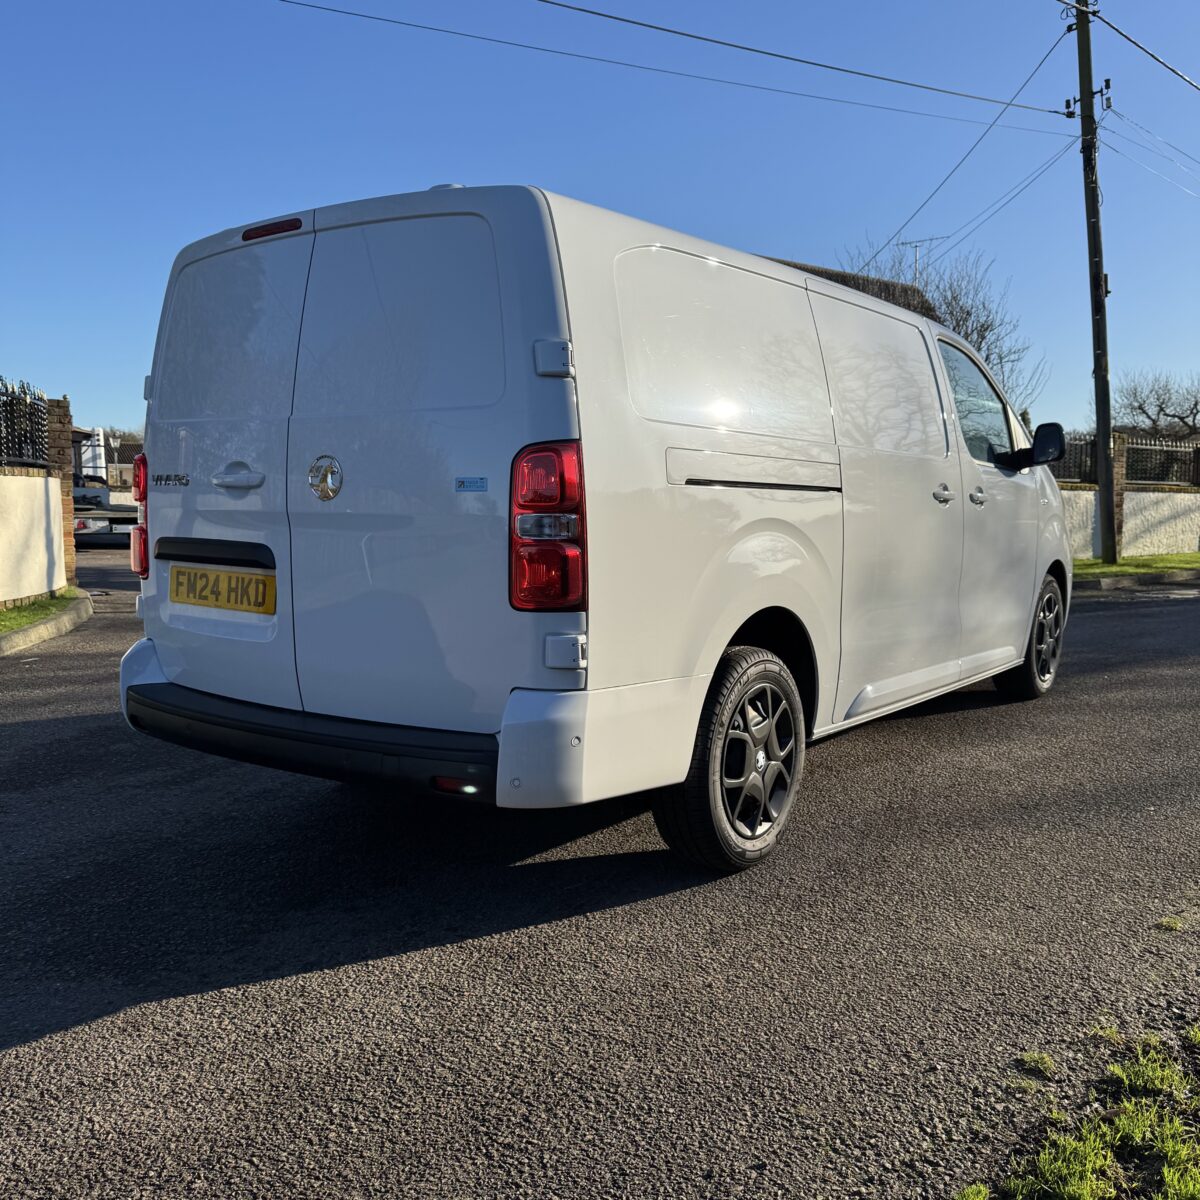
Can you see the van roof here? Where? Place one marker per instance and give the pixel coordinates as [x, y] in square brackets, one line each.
[441, 198]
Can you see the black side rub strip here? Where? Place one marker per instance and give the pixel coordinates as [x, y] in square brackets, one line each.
[775, 487]
[215, 552]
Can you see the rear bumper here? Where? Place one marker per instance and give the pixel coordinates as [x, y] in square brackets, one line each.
[310, 743]
[554, 748]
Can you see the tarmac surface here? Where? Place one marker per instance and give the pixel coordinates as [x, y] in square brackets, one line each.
[220, 980]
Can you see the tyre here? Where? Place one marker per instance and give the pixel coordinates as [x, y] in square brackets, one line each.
[746, 766]
[1035, 676]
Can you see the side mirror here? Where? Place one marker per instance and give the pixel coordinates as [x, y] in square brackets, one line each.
[1049, 443]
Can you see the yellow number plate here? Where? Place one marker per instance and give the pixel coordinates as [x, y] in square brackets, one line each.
[214, 588]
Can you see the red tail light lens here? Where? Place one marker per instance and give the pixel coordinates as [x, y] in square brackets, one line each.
[548, 559]
[140, 479]
[139, 539]
[139, 551]
[548, 477]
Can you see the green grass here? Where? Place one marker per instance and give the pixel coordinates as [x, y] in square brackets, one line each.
[974, 1191]
[28, 614]
[1145, 1142]
[1107, 1033]
[1169, 924]
[1151, 564]
[1191, 1035]
[1038, 1062]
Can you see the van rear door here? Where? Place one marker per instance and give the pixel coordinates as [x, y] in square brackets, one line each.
[415, 388]
[216, 445]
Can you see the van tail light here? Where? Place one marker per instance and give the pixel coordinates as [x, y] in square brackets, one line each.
[141, 477]
[139, 552]
[139, 539]
[547, 533]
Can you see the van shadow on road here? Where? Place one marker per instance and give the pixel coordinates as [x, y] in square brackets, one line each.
[189, 874]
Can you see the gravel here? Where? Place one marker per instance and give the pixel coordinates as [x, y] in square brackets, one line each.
[222, 980]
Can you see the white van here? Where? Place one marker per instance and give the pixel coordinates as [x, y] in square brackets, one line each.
[488, 492]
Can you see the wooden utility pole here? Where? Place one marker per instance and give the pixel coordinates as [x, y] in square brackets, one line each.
[1098, 286]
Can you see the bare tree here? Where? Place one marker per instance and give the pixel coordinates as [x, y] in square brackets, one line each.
[974, 307]
[126, 435]
[1159, 403]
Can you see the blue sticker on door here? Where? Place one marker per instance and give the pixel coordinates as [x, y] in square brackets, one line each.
[470, 483]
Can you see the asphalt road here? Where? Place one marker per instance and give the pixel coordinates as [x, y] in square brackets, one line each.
[218, 980]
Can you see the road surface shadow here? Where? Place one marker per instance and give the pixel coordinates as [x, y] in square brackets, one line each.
[183, 874]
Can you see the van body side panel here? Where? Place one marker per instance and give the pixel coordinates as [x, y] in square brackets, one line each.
[685, 353]
[416, 373]
[903, 547]
[218, 413]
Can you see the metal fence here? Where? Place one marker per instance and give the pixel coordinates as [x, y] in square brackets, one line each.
[23, 440]
[1148, 461]
[1079, 463]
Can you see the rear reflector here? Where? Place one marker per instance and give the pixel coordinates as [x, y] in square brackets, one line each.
[261, 231]
[456, 787]
[139, 552]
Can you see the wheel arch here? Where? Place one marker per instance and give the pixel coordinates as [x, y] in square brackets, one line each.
[784, 634]
[1058, 571]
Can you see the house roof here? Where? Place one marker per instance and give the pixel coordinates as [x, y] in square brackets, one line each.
[126, 452]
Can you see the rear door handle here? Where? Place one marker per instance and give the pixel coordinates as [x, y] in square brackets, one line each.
[978, 497]
[238, 479]
[943, 494]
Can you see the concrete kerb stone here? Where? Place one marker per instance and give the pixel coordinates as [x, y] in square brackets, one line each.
[73, 615]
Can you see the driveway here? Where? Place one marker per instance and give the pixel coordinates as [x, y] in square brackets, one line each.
[220, 980]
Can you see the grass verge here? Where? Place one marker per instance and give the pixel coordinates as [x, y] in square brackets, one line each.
[1141, 1141]
[30, 614]
[1151, 564]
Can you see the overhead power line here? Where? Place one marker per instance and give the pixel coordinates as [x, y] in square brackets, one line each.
[1147, 167]
[633, 66]
[1162, 62]
[970, 150]
[792, 58]
[984, 215]
[1155, 136]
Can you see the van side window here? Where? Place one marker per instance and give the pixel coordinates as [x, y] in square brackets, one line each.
[981, 413]
[712, 345]
[881, 380]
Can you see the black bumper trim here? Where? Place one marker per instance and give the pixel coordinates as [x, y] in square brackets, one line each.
[310, 743]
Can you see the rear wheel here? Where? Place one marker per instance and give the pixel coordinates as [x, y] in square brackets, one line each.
[1035, 676]
[746, 766]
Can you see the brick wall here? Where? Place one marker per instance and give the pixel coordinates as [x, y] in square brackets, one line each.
[58, 422]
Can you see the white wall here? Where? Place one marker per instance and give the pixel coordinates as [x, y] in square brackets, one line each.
[1161, 523]
[31, 537]
[1079, 509]
[1155, 523]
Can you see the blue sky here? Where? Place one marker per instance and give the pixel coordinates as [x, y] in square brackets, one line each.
[133, 127]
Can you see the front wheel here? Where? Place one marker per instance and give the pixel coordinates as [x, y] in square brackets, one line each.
[746, 766]
[1035, 676]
